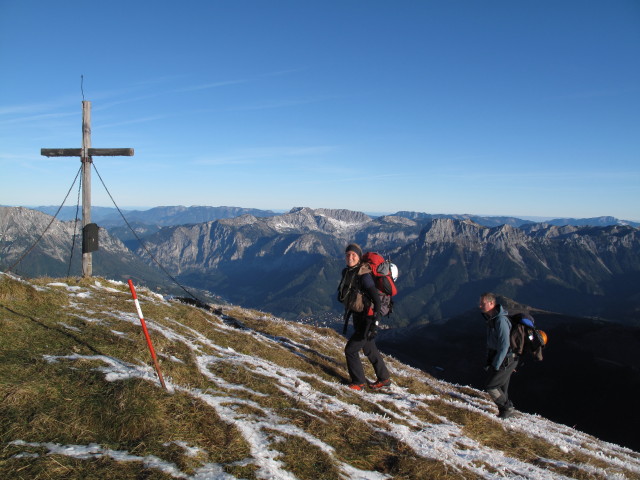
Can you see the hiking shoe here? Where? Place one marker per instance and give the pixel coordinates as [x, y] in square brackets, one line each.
[380, 384]
[506, 413]
[356, 386]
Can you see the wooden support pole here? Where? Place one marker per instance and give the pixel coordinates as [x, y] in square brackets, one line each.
[87, 257]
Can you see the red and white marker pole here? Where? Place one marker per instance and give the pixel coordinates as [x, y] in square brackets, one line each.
[146, 334]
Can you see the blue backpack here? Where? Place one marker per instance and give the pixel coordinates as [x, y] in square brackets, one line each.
[525, 337]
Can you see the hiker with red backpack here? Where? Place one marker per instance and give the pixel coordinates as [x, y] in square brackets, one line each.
[359, 294]
[501, 360]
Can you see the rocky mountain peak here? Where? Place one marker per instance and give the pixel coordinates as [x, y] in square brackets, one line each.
[400, 221]
[448, 230]
[239, 221]
[336, 222]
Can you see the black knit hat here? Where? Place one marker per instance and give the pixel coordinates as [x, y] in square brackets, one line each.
[354, 247]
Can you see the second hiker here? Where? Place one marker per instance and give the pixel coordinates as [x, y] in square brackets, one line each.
[501, 361]
[358, 292]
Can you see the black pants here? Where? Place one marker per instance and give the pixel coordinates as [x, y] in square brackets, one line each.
[357, 342]
[498, 382]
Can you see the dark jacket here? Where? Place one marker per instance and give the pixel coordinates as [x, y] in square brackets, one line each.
[498, 332]
[357, 290]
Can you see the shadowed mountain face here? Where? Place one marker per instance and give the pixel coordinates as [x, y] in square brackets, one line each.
[279, 263]
[36, 244]
[589, 378]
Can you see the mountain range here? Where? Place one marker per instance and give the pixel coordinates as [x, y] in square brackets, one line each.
[180, 215]
[289, 264]
[160, 216]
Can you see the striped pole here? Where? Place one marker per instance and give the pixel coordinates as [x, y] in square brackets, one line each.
[146, 334]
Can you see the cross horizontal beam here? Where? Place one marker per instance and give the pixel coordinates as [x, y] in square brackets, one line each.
[91, 152]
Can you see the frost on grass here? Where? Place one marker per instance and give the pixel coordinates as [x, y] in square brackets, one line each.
[398, 414]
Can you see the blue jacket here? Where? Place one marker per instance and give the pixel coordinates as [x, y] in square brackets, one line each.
[498, 331]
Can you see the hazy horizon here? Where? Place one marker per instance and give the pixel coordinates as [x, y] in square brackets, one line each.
[375, 214]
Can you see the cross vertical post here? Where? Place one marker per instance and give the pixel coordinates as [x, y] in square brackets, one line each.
[87, 257]
[86, 153]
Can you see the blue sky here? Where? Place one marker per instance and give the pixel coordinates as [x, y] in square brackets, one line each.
[523, 108]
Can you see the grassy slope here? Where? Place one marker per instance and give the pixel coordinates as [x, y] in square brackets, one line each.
[250, 396]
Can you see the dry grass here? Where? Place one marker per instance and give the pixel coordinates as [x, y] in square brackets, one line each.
[69, 402]
[305, 460]
[49, 402]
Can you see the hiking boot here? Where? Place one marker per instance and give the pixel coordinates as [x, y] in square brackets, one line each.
[380, 384]
[506, 412]
[356, 386]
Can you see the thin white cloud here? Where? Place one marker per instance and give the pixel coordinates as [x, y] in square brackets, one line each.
[151, 118]
[14, 156]
[208, 86]
[158, 80]
[273, 104]
[359, 178]
[143, 85]
[225, 83]
[253, 155]
[39, 117]
[280, 73]
[109, 98]
[25, 109]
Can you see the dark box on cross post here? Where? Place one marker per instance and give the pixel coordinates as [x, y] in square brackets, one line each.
[90, 238]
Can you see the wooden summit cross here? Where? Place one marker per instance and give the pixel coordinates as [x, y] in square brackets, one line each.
[89, 230]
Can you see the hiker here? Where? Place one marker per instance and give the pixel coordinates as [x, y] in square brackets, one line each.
[358, 293]
[501, 362]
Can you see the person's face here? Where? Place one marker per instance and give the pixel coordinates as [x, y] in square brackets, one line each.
[486, 305]
[352, 258]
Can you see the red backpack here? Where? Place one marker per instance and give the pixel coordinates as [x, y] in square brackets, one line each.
[384, 274]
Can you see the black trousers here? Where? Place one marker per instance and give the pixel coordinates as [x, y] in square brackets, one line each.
[498, 383]
[357, 342]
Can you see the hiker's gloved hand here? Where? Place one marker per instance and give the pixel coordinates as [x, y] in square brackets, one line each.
[373, 328]
[373, 331]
